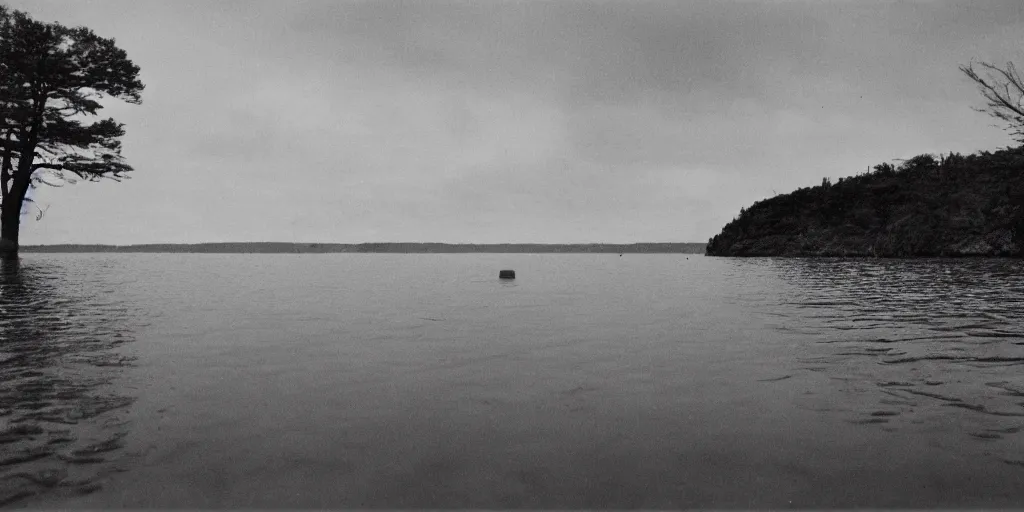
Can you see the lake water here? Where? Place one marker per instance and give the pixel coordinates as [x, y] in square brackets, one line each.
[409, 381]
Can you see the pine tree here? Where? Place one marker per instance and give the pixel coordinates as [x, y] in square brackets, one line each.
[51, 80]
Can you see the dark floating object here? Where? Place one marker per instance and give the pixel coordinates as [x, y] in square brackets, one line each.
[506, 274]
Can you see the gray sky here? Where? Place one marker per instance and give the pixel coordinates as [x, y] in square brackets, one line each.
[491, 121]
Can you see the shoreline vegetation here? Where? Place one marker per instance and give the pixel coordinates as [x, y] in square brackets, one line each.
[386, 247]
[946, 206]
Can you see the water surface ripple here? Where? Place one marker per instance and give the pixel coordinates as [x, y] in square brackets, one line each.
[591, 381]
[60, 427]
[932, 344]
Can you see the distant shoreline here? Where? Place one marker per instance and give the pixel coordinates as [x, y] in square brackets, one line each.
[286, 248]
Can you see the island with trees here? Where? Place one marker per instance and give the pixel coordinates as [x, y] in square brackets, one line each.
[948, 205]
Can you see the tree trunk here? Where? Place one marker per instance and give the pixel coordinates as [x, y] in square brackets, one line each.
[10, 218]
[9, 225]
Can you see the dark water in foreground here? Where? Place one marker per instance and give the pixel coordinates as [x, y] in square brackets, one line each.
[406, 381]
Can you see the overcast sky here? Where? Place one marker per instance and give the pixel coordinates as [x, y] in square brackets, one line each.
[490, 122]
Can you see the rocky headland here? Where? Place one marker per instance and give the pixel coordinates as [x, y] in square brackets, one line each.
[928, 206]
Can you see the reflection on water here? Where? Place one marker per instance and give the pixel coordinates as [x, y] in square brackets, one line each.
[934, 345]
[60, 428]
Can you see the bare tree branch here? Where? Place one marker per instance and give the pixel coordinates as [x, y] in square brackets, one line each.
[1003, 90]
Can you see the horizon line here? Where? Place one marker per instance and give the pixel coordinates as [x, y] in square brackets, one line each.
[359, 243]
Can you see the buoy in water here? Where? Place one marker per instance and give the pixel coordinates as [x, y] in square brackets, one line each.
[506, 274]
